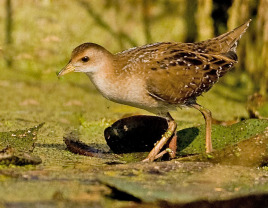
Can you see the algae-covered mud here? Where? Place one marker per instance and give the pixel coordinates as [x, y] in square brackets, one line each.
[243, 143]
[120, 180]
[16, 147]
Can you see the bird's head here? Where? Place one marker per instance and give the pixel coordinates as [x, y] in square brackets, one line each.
[88, 58]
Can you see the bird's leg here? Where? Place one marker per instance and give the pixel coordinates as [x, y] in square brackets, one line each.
[208, 119]
[171, 150]
[172, 145]
[154, 154]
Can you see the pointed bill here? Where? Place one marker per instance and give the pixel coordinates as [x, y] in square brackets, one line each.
[67, 69]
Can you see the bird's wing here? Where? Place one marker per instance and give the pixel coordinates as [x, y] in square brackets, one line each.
[176, 73]
[180, 76]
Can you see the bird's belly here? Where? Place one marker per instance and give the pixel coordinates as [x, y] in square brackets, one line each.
[126, 91]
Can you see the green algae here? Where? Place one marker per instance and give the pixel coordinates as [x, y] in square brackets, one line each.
[182, 183]
[248, 152]
[20, 140]
[192, 140]
[16, 147]
[246, 139]
[10, 156]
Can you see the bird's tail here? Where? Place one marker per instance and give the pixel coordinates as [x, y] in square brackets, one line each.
[228, 41]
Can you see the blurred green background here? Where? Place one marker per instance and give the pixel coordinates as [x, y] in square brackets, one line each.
[38, 35]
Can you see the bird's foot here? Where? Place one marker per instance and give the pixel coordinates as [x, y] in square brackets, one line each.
[151, 159]
[171, 151]
[167, 138]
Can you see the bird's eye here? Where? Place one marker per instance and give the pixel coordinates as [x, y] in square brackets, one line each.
[85, 59]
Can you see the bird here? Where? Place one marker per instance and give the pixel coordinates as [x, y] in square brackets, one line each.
[160, 77]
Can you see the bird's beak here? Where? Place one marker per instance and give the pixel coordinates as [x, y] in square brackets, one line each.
[67, 69]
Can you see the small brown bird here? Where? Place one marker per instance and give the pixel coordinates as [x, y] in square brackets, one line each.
[159, 77]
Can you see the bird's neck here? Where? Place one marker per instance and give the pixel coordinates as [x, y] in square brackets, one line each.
[105, 79]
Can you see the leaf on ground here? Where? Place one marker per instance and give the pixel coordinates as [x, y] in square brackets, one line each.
[74, 145]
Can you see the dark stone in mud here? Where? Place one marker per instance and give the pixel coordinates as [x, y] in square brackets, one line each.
[135, 134]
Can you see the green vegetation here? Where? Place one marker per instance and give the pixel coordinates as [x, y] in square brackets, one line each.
[44, 33]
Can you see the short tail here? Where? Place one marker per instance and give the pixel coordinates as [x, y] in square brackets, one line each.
[228, 41]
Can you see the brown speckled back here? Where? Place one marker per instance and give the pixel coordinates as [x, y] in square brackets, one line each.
[176, 73]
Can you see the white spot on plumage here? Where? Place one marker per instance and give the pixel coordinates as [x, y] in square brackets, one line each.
[152, 44]
[218, 73]
[145, 60]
